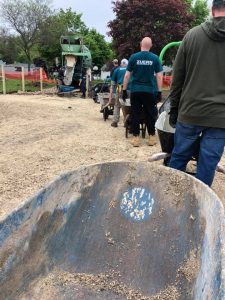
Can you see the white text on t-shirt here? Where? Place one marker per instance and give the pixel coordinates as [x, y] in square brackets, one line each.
[145, 62]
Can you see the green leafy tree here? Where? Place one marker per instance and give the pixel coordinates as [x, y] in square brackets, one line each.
[189, 5]
[58, 24]
[25, 17]
[8, 47]
[200, 11]
[100, 49]
[69, 22]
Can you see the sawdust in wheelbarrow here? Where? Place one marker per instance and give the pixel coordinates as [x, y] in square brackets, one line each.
[107, 285]
[57, 282]
[190, 267]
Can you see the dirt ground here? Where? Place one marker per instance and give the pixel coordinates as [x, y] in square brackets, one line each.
[43, 136]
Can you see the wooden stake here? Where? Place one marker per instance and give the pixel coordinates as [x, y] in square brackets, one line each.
[3, 80]
[23, 79]
[88, 78]
[41, 79]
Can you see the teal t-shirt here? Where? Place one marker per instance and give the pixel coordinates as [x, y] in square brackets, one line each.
[118, 76]
[144, 65]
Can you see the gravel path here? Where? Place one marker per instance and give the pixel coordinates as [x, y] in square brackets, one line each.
[43, 136]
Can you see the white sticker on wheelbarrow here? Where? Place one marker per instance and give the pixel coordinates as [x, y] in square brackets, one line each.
[137, 204]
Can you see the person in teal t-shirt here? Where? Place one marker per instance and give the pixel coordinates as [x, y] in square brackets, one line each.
[117, 81]
[145, 67]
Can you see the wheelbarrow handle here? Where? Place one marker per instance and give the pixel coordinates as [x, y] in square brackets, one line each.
[159, 156]
[220, 169]
[163, 155]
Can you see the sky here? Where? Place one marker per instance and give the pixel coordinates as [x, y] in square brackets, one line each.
[96, 14]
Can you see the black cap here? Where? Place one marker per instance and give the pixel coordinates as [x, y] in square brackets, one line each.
[218, 3]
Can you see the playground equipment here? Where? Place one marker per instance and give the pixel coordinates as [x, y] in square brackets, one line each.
[117, 230]
[77, 62]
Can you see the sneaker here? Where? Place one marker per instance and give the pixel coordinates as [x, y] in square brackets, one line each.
[114, 124]
[135, 141]
[152, 140]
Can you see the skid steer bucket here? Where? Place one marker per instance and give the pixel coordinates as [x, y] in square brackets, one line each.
[117, 230]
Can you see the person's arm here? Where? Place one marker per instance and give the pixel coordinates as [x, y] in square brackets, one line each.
[125, 85]
[178, 76]
[159, 79]
[113, 84]
[126, 80]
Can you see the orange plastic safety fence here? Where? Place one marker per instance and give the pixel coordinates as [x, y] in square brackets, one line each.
[33, 75]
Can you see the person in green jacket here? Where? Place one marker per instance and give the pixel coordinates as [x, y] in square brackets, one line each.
[197, 96]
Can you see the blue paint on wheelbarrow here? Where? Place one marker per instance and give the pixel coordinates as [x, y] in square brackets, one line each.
[140, 225]
[137, 204]
[10, 225]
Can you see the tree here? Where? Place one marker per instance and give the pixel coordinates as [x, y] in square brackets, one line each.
[25, 17]
[100, 49]
[8, 46]
[56, 25]
[163, 21]
[69, 22]
[200, 12]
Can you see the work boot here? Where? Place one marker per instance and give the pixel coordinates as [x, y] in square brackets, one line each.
[152, 140]
[114, 124]
[135, 141]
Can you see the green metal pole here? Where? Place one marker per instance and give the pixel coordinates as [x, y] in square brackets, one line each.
[172, 44]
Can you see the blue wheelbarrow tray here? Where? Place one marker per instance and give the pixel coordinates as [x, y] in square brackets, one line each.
[120, 230]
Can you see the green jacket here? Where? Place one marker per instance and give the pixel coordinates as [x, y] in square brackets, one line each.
[198, 85]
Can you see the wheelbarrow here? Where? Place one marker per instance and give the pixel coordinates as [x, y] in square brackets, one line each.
[106, 107]
[120, 230]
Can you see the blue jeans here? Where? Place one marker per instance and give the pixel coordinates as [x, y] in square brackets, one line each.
[207, 142]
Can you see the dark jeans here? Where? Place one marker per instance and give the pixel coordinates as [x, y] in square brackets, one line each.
[211, 147]
[146, 102]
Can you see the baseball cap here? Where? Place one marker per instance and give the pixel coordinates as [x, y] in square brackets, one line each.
[218, 3]
[115, 61]
[124, 61]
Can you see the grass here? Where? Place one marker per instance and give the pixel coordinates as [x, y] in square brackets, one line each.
[13, 86]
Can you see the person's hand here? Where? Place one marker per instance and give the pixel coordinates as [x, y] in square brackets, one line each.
[173, 115]
[159, 96]
[124, 95]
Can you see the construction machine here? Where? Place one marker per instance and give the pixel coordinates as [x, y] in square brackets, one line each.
[76, 64]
